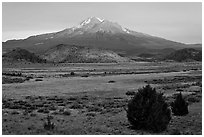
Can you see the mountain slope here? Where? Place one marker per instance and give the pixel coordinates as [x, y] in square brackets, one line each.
[19, 54]
[187, 54]
[76, 54]
[95, 33]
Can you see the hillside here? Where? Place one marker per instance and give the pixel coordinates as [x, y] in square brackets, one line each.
[19, 54]
[77, 54]
[187, 54]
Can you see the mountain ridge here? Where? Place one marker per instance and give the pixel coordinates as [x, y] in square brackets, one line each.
[97, 33]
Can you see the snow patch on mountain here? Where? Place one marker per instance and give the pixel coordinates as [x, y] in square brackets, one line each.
[89, 21]
[101, 20]
[85, 22]
[124, 29]
[49, 38]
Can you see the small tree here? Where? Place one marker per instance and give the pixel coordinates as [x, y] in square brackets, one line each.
[72, 73]
[179, 106]
[49, 125]
[148, 110]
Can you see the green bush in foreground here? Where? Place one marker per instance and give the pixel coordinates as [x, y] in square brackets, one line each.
[179, 106]
[148, 110]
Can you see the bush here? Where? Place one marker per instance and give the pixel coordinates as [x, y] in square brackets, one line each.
[193, 99]
[94, 108]
[85, 75]
[15, 112]
[33, 114]
[18, 74]
[199, 83]
[76, 105]
[130, 93]
[8, 80]
[28, 78]
[111, 81]
[179, 106]
[66, 112]
[49, 125]
[72, 73]
[43, 110]
[175, 132]
[148, 110]
[38, 80]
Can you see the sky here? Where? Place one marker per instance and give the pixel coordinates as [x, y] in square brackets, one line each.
[181, 22]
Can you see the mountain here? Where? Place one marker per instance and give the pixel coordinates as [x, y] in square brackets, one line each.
[158, 52]
[197, 46]
[187, 54]
[95, 33]
[19, 54]
[77, 54]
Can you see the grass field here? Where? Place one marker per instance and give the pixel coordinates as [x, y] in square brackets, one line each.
[92, 100]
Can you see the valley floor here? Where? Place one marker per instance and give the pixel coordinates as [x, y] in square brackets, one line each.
[92, 100]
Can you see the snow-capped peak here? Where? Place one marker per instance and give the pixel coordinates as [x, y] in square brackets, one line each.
[92, 20]
[95, 24]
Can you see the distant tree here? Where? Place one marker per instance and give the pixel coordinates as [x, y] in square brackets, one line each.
[179, 106]
[72, 73]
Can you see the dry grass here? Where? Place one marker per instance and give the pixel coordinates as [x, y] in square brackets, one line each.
[91, 105]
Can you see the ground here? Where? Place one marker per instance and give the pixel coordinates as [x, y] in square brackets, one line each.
[92, 100]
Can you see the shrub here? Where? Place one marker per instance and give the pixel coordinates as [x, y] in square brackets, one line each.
[14, 106]
[148, 110]
[65, 75]
[193, 99]
[130, 93]
[43, 110]
[49, 125]
[33, 114]
[72, 73]
[8, 80]
[175, 132]
[199, 83]
[29, 77]
[179, 106]
[85, 75]
[55, 113]
[18, 74]
[76, 105]
[52, 107]
[38, 80]
[72, 98]
[94, 108]
[179, 89]
[111, 81]
[15, 112]
[66, 112]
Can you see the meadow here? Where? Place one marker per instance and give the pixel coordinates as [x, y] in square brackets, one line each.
[91, 98]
